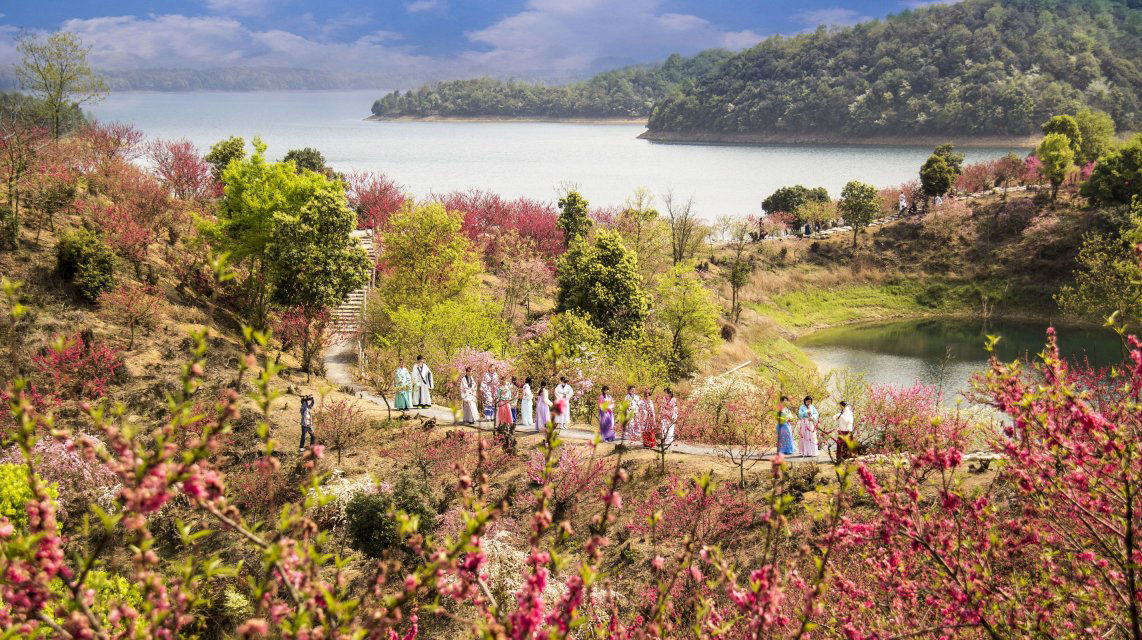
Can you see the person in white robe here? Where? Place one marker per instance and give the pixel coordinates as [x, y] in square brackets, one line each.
[526, 402]
[468, 397]
[669, 416]
[422, 384]
[631, 431]
[563, 395]
[490, 388]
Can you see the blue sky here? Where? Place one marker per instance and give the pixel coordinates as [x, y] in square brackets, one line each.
[430, 38]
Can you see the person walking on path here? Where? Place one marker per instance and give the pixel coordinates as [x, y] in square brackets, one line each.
[844, 432]
[468, 397]
[649, 420]
[563, 394]
[403, 401]
[669, 416]
[808, 421]
[543, 407]
[306, 422]
[422, 384]
[526, 402]
[784, 428]
[491, 389]
[631, 431]
[606, 415]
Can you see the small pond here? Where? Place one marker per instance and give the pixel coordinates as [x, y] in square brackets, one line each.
[945, 351]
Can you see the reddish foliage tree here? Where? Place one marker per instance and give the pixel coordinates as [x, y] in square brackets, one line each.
[19, 146]
[339, 424]
[127, 235]
[78, 368]
[131, 304]
[374, 196]
[182, 170]
[488, 217]
[308, 331]
[110, 141]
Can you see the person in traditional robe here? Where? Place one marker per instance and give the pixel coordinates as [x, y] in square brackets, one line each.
[491, 389]
[902, 205]
[468, 397]
[808, 420]
[504, 403]
[542, 407]
[649, 421]
[403, 400]
[422, 384]
[669, 416]
[606, 415]
[526, 401]
[514, 403]
[784, 428]
[844, 431]
[563, 394]
[630, 429]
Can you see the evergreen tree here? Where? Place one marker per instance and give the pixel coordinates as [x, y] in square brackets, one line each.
[573, 217]
[601, 279]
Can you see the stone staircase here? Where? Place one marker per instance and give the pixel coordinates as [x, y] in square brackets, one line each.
[347, 317]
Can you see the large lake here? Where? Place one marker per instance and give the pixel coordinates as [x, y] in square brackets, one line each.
[531, 159]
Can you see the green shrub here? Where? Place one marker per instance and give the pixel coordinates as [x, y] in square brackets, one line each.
[83, 259]
[15, 492]
[371, 517]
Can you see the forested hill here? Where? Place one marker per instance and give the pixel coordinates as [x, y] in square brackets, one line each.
[622, 93]
[980, 67]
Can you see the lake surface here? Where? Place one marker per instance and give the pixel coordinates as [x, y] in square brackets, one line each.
[945, 352]
[514, 159]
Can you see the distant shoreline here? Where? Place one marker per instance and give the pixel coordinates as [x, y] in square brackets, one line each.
[638, 121]
[709, 137]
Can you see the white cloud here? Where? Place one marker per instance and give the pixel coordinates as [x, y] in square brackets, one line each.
[574, 37]
[832, 17]
[240, 7]
[423, 6]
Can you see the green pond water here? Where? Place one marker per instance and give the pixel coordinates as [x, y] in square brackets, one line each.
[946, 351]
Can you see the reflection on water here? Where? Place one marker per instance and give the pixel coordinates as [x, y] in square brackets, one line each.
[945, 351]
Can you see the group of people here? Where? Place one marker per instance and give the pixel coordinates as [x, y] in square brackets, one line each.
[808, 423]
[414, 388]
[513, 401]
[644, 423]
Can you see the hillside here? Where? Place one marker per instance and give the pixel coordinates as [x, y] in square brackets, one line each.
[977, 68]
[622, 93]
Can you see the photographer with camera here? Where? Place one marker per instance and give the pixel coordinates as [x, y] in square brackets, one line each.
[306, 421]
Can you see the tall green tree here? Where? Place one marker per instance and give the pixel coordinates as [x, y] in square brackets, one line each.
[738, 266]
[1107, 278]
[426, 258]
[954, 158]
[601, 279]
[686, 312]
[573, 217]
[644, 231]
[1067, 126]
[936, 176]
[1117, 178]
[1097, 131]
[1058, 156]
[791, 199]
[859, 205]
[285, 226]
[223, 152]
[55, 69]
[306, 158]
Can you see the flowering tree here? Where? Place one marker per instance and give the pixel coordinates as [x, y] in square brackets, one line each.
[78, 367]
[131, 304]
[733, 415]
[339, 424]
[374, 197]
[181, 169]
[309, 332]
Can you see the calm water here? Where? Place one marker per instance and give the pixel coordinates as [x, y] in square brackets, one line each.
[945, 352]
[514, 159]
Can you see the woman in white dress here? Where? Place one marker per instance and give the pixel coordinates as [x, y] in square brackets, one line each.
[669, 416]
[631, 431]
[526, 401]
[468, 397]
[807, 423]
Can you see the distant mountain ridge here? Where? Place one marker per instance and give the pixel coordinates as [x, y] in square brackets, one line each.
[235, 79]
[629, 92]
[980, 68]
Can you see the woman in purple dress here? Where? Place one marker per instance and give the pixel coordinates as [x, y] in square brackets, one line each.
[542, 407]
[606, 415]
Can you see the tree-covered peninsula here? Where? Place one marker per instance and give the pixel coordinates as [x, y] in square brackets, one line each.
[977, 68]
[621, 93]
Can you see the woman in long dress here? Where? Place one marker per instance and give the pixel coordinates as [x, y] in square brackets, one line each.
[784, 428]
[526, 400]
[504, 404]
[491, 389]
[403, 400]
[606, 415]
[669, 416]
[631, 432]
[807, 425]
[543, 407]
[649, 421]
[468, 397]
